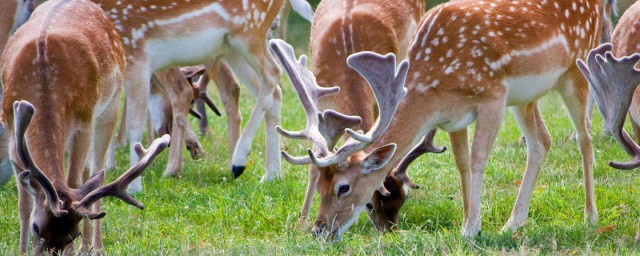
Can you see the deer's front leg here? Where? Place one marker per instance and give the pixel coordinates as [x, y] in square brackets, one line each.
[308, 196]
[137, 90]
[460, 147]
[258, 69]
[272, 119]
[488, 119]
[229, 89]
[180, 95]
[25, 205]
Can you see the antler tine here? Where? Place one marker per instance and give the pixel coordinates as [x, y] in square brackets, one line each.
[426, 146]
[119, 186]
[308, 92]
[202, 94]
[387, 85]
[23, 112]
[613, 82]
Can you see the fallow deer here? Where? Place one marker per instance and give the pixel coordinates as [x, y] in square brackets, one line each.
[340, 28]
[160, 34]
[13, 13]
[69, 61]
[469, 61]
[613, 82]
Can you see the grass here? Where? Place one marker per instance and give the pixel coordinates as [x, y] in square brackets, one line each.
[205, 211]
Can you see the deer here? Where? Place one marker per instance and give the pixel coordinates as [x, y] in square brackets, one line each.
[154, 36]
[13, 13]
[373, 25]
[613, 82]
[51, 106]
[468, 61]
[219, 67]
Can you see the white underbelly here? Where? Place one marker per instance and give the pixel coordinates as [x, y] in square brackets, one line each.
[524, 89]
[458, 123]
[196, 48]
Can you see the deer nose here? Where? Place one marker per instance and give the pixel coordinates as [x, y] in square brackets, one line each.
[318, 228]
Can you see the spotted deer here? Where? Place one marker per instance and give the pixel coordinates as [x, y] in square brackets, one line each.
[613, 82]
[340, 28]
[469, 61]
[160, 34]
[74, 110]
[13, 13]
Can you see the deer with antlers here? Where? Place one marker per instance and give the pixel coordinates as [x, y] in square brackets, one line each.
[613, 82]
[155, 38]
[468, 61]
[13, 13]
[373, 25]
[76, 112]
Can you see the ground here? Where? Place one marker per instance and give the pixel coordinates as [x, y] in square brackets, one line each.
[205, 211]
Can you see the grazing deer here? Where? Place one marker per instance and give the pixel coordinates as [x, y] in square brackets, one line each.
[155, 38]
[380, 26]
[68, 60]
[13, 13]
[613, 82]
[469, 61]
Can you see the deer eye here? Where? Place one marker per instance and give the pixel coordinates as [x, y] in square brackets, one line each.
[343, 189]
[36, 229]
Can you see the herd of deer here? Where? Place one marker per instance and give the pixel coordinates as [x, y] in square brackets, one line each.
[400, 72]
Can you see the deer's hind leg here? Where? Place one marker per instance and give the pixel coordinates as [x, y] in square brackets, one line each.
[538, 141]
[574, 90]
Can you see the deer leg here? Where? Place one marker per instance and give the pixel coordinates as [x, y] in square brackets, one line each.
[460, 148]
[488, 120]
[137, 90]
[25, 205]
[204, 122]
[229, 89]
[574, 93]
[103, 132]
[638, 234]
[308, 196]
[180, 97]
[121, 139]
[78, 155]
[272, 119]
[260, 70]
[525, 116]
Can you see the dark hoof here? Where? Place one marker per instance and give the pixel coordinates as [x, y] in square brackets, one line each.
[237, 171]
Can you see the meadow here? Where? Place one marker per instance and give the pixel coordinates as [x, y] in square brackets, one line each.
[206, 212]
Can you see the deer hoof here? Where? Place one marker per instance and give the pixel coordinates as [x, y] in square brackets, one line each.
[237, 170]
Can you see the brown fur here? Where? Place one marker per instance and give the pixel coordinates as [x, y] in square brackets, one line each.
[242, 44]
[339, 29]
[464, 56]
[40, 65]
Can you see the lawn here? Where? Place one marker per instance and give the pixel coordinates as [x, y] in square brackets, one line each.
[206, 212]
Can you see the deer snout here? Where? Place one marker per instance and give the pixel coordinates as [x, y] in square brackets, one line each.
[319, 228]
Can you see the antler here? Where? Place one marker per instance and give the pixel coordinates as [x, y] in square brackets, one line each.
[613, 82]
[23, 112]
[323, 129]
[119, 186]
[426, 146]
[200, 87]
[387, 84]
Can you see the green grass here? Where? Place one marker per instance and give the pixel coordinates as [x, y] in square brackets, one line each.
[205, 211]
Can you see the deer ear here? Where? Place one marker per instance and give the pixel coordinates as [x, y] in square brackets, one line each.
[378, 158]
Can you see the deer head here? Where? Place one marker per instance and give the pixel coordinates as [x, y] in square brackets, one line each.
[347, 172]
[57, 211]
